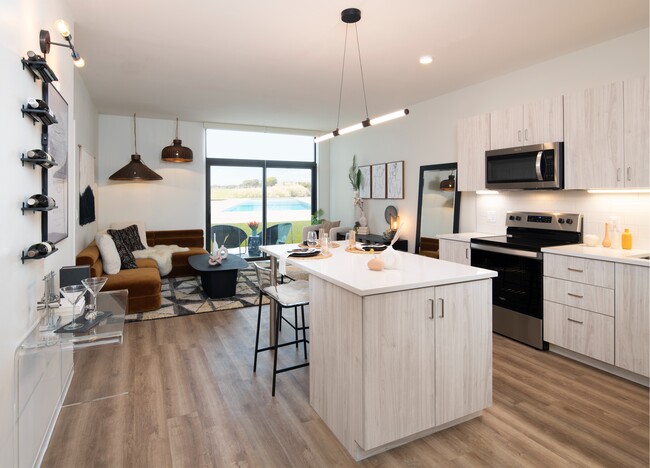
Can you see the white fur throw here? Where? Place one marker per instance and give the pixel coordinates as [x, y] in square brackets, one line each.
[162, 254]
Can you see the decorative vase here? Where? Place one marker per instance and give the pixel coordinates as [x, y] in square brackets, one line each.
[223, 252]
[254, 245]
[607, 242]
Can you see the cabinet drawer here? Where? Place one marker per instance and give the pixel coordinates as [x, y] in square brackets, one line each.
[581, 270]
[580, 331]
[580, 295]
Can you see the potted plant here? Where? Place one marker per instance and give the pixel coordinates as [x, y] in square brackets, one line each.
[355, 179]
[253, 225]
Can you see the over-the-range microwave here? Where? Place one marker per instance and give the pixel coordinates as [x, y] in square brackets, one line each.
[525, 167]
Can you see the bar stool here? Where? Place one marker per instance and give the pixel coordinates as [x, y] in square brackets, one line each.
[289, 295]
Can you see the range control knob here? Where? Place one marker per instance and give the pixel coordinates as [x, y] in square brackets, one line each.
[511, 218]
[569, 221]
[518, 218]
[561, 220]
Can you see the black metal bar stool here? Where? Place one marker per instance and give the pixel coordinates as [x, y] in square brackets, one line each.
[289, 295]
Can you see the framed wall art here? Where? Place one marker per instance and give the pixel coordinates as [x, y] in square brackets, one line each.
[395, 179]
[366, 182]
[56, 135]
[378, 187]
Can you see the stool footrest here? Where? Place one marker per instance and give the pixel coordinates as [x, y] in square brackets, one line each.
[286, 369]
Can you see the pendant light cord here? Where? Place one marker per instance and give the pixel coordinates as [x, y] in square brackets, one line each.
[135, 136]
[363, 82]
[177, 128]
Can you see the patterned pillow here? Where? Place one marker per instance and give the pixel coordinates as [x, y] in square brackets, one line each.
[126, 241]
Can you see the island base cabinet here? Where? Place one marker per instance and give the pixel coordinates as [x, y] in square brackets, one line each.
[632, 319]
[388, 367]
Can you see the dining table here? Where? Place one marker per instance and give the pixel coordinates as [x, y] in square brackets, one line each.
[398, 353]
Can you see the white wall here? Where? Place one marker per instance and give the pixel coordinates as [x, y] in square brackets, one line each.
[177, 201]
[21, 285]
[428, 136]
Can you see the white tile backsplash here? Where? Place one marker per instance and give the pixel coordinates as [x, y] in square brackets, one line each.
[633, 210]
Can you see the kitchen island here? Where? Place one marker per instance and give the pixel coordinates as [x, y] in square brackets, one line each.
[396, 354]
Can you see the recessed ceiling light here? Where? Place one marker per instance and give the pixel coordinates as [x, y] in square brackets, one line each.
[426, 59]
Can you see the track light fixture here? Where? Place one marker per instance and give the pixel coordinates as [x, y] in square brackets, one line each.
[64, 29]
[352, 16]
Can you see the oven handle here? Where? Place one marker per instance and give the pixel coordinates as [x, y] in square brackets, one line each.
[515, 252]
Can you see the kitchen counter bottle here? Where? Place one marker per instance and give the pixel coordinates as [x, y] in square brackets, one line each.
[607, 242]
[626, 239]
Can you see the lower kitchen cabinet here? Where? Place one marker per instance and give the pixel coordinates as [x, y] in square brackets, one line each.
[427, 359]
[632, 319]
[455, 251]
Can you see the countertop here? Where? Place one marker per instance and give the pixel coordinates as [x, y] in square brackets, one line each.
[350, 271]
[465, 236]
[601, 253]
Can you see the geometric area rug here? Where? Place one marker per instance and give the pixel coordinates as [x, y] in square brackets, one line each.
[185, 296]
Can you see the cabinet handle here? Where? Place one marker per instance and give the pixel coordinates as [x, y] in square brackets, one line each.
[432, 303]
[442, 308]
[575, 295]
[526, 134]
[574, 321]
[576, 270]
[467, 253]
[629, 173]
[518, 135]
[618, 174]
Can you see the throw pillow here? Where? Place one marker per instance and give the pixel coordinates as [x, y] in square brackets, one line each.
[141, 230]
[124, 240]
[110, 257]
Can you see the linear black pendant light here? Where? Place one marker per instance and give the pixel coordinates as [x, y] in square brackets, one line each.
[136, 169]
[177, 152]
[353, 16]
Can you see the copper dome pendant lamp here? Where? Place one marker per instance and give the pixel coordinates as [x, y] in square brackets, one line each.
[177, 152]
[136, 169]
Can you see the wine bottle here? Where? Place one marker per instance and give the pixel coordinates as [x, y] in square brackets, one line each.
[40, 200]
[39, 104]
[42, 155]
[39, 249]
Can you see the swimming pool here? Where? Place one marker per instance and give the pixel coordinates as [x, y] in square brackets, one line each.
[279, 204]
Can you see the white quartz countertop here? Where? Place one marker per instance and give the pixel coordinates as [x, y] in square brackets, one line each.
[601, 253]
[465, 236]
[350, 271]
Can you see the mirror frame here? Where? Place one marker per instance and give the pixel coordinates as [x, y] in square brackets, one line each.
[456, 222]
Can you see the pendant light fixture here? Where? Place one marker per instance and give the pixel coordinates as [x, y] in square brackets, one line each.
[177, 152]
[352, 16]
[136, 169]
[449, 184]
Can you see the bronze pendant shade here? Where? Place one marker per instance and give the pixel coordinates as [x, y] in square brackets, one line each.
[177, 152]
[136, 169]
[448, 185]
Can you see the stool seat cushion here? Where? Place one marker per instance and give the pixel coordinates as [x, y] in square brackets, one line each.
[290, 294]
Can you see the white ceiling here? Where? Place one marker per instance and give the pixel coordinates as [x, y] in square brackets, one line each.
[278, 62]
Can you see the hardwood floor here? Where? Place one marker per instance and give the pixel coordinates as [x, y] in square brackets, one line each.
[181, 392]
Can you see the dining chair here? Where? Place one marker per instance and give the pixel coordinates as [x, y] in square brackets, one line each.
[288, 295]
[231, 236]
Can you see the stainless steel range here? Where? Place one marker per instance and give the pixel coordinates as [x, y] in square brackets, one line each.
[517, 294]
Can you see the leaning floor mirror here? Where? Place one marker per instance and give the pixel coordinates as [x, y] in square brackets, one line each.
[438, 206]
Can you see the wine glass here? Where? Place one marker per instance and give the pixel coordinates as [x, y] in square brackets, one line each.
[73, 294]
[94, 285]
[311, 238]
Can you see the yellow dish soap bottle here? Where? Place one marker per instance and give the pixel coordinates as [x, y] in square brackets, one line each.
[626, 239]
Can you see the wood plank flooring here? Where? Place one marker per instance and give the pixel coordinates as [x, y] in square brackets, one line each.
[181, 392]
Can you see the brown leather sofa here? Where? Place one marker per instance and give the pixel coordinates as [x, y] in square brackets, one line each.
[143, 282]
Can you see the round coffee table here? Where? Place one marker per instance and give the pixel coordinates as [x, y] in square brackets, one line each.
[218, 280]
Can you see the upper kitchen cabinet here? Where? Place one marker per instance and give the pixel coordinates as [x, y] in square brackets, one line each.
[473, 135]
[606, 136]
[635, 105]
[530, 124]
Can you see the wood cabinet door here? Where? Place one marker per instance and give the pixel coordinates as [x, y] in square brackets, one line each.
[637, 170]
[463, 349]
[544, 121]
[398, 365]
[455, 251]
[632, 318]
[473, 139]
[506, 128]
[593, 138]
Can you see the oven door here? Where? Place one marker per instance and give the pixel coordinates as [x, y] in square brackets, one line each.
[517, 299]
